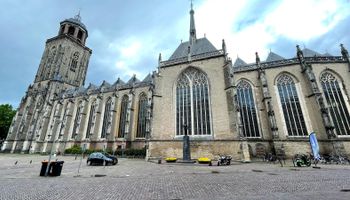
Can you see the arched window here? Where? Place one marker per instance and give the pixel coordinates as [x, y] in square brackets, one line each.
[141, 123]
[107, 118]
[123, 116]
[91, 121]
[80, 35]
[336, 103]
[74, 61]
[62, 29]
[247, 109]
[293, 115]
[192, 103]
[77, 119]
[71, 30]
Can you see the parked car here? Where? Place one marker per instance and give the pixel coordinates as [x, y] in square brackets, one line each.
[101, 159]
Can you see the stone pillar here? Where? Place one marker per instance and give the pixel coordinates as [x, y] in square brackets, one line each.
[267, 99]
[306, 69]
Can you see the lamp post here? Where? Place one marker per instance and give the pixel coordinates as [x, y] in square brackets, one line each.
[51, 151]
[114, 145]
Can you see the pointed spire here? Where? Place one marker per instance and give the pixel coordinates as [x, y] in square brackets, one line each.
[159, 58]
[224, 46]
[300, 54]
[193, 36]
[257, 58]
[344, 52]
[77, 17]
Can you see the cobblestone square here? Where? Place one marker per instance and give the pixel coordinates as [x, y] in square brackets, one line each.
[137, 179]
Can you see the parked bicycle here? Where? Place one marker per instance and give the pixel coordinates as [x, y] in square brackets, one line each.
[224, 160]
[302, 160]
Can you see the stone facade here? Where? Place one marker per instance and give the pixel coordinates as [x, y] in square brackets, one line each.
[58, 112]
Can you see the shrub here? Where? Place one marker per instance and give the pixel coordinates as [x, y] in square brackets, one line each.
[75, 149]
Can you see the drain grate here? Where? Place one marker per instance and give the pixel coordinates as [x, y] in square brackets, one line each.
[100, 175]
[345, 190]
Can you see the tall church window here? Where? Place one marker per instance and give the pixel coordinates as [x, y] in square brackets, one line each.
[91, 119]
[293, 114]
[74, 61]
[107, 118]
[247, 109]
[192, 103]
[142, 116]
[77, 119]
[338, 109]
[123, 116]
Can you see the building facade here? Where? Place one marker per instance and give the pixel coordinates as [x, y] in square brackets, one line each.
[198, 91]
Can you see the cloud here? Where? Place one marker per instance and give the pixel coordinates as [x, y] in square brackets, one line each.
[247, 27]
[128, 37]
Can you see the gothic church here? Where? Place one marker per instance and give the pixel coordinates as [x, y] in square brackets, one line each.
[222, 105]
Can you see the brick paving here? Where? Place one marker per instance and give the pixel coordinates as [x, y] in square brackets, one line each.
[137, 179]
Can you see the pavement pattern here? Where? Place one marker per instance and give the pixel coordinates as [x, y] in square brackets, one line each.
[137, 179]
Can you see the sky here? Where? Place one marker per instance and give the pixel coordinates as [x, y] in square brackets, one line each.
[126, 37]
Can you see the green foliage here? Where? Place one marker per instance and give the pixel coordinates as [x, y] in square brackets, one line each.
[75, 149]
[6, 115]
[138, 153]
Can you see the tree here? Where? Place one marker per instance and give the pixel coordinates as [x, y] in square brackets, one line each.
[6, 115]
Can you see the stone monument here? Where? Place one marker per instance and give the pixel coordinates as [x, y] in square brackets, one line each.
[186, 146]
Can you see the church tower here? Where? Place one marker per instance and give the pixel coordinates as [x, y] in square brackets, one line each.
[63, 66]
[65, 56]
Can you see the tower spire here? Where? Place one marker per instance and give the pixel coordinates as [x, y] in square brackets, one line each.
[193, 36]
[78, 17]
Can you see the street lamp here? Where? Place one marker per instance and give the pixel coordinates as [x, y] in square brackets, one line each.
[51, 152]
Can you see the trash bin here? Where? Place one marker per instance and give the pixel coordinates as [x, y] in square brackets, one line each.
[44, 166]
[56, 168]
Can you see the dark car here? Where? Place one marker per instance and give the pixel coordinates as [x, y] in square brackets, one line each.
[101, 159]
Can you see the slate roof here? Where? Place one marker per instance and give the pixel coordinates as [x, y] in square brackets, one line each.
[273, 57]
[310, 53]
[202, 45]
[148, 78]
[239, 62]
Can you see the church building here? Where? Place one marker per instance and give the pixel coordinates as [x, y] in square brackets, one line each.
[223, 106]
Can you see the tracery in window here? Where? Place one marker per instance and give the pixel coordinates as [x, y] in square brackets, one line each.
[74, 61]
[107, 118]
[91, 121]
[337, 105]
[192, 103]
[293, 114]
[123, 116]
[247, 109]
[77, 119]
[142, 116]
